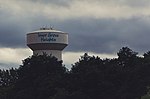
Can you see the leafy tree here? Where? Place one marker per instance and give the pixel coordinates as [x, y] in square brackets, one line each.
[39, 77]
[44, 77]
[120, 78]
[7, 80]
[90, 77]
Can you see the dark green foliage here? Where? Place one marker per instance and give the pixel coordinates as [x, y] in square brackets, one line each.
[126, 77]
[7, 80]
[44, 77]
[38, 78]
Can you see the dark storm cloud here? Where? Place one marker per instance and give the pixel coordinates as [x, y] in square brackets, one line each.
[10, 30]
[11, 36]
[64, 3]
[108, 35]
[87, 35]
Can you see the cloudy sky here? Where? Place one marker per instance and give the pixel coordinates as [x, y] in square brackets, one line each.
[99, 27]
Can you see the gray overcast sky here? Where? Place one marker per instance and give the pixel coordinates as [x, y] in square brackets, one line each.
[98, 26]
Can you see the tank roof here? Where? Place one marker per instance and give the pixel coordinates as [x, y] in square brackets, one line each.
[46, 30]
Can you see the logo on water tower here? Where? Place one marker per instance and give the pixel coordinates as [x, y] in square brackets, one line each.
[48, 37]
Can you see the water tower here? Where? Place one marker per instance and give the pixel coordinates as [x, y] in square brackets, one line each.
[47, 40]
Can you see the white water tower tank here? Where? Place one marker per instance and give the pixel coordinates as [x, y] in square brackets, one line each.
[47, 40]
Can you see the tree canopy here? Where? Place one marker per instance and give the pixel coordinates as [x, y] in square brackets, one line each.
[44, 77]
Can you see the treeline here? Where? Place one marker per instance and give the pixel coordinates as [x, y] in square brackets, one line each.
[44, 77]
